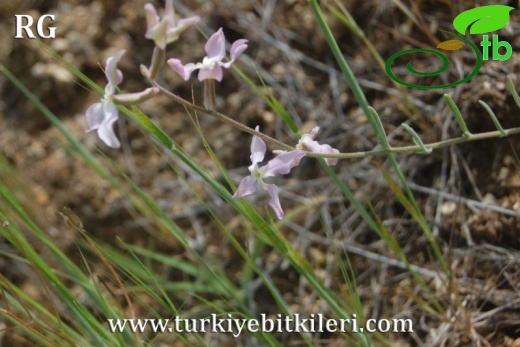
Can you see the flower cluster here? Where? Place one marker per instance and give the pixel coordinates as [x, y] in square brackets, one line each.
[164, 30]
[102, 115]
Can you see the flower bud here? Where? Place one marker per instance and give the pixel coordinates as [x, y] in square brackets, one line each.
[135, 98]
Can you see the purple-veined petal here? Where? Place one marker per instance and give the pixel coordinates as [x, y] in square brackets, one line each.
[114, 76]
[211, 73]
[216, 46]
[258, 149]
[283, 163]
[236, 49]
[183, 70]
[246, 187]
[95, 116]
[274, 200]
[106, 130]
[152, 19]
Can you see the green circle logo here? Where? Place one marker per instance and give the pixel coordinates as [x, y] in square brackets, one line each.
[445, 65]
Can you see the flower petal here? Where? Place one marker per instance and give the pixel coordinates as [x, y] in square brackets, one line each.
[216, 46]
[237, 48]
[114, 76]
[314, 132]
[283, 163]
[246, 187]
[106, 130]
[159, 34]
[274, 200]
[152, 19]
[186, 22]
[278, 151]
[95, 116]
[332, 161]
[173, 32]
[165, 30]
[315, 147]
[215, 73]
[183, 70]
[307, 138]
[258, 149]
[169, 13]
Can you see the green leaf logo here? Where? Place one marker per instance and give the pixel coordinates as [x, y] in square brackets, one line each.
[482, 19]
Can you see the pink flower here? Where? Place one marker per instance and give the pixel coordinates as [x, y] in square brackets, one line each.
[307, 143]
[102, 115]
[211, 66]
[279, 165]
[165, 30]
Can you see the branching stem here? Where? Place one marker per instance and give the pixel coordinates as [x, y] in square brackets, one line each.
[353, 155]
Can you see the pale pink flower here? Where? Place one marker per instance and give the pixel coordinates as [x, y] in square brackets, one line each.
[279, 165]
[307, 143]
[165, 30]
[212, 64]
[102, 115]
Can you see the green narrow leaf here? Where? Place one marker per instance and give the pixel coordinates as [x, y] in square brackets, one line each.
[416, 139]
[512, 90]
[458, 115]
[493, 117]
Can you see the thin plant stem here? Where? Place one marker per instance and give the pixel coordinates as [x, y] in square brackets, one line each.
[351, 155]
[221, 117]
